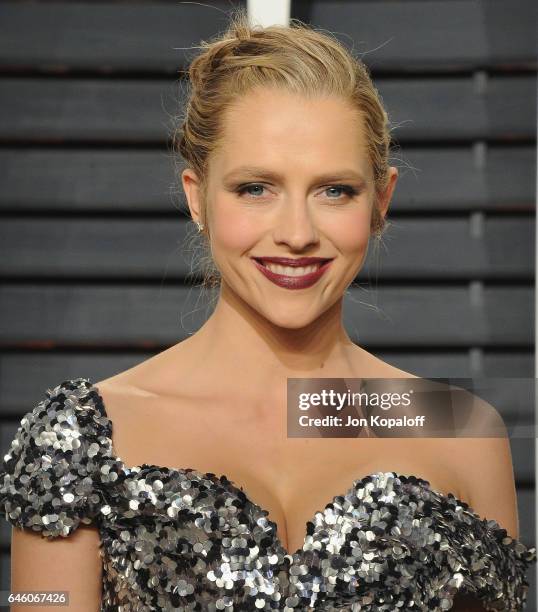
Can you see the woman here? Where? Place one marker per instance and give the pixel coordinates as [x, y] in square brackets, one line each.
[287, 176]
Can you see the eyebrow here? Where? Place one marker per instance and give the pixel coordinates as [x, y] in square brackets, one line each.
[263, 173]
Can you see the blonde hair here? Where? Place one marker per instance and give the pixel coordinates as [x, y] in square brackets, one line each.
[297, 58]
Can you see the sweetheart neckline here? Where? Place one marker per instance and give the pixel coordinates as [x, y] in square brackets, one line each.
[493, 524]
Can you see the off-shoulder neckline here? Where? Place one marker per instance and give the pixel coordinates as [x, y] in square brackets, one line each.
[492, 525]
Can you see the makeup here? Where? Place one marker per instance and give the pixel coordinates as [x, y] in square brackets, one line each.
[288, 281]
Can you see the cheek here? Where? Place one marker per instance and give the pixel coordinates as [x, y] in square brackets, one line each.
[351, 232]
[232, 229]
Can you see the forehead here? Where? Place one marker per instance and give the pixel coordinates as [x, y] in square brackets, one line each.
[286, 130]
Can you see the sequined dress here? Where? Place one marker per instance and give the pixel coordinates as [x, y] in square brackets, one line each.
[179, 539]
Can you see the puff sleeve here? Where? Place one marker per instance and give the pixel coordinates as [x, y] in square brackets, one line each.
[49, 477]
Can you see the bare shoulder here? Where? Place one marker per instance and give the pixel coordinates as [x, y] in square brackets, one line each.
[121, 391]
[153, 376]
[490, 480]
[122, 384]
[483, 458]
[477, 463]
[475, 417]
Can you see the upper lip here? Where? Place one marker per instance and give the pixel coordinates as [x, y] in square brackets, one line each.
[293, 262]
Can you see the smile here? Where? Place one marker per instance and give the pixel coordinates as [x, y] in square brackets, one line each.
[295, 276]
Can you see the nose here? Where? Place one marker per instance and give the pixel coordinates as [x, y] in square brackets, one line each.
[296, 226]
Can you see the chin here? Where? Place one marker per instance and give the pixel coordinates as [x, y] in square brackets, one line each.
[291, 320]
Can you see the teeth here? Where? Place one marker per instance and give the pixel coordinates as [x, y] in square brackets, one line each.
[292, 271]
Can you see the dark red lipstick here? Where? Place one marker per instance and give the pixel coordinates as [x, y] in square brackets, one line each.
[293, 282]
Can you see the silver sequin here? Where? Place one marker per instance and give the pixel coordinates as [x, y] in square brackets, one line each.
[179, 539]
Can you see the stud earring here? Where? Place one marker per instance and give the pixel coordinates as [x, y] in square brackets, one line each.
[200, 226]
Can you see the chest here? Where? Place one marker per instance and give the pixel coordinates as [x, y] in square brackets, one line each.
[292, 479]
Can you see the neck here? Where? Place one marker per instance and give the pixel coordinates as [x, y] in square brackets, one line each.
[237, 338]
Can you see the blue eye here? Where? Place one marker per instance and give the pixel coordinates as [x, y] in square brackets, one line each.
[347, 189]
[245, 188]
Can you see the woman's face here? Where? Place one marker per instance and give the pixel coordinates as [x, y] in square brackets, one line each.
[292, 179]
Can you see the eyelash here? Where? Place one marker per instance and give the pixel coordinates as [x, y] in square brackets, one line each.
[349, 190]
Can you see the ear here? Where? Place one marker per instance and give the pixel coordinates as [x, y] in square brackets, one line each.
[386, 197]
[192, 189]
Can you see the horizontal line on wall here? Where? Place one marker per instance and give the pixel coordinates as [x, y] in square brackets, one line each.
[105, 145]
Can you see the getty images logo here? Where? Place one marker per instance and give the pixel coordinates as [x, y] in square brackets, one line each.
[334, 399]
